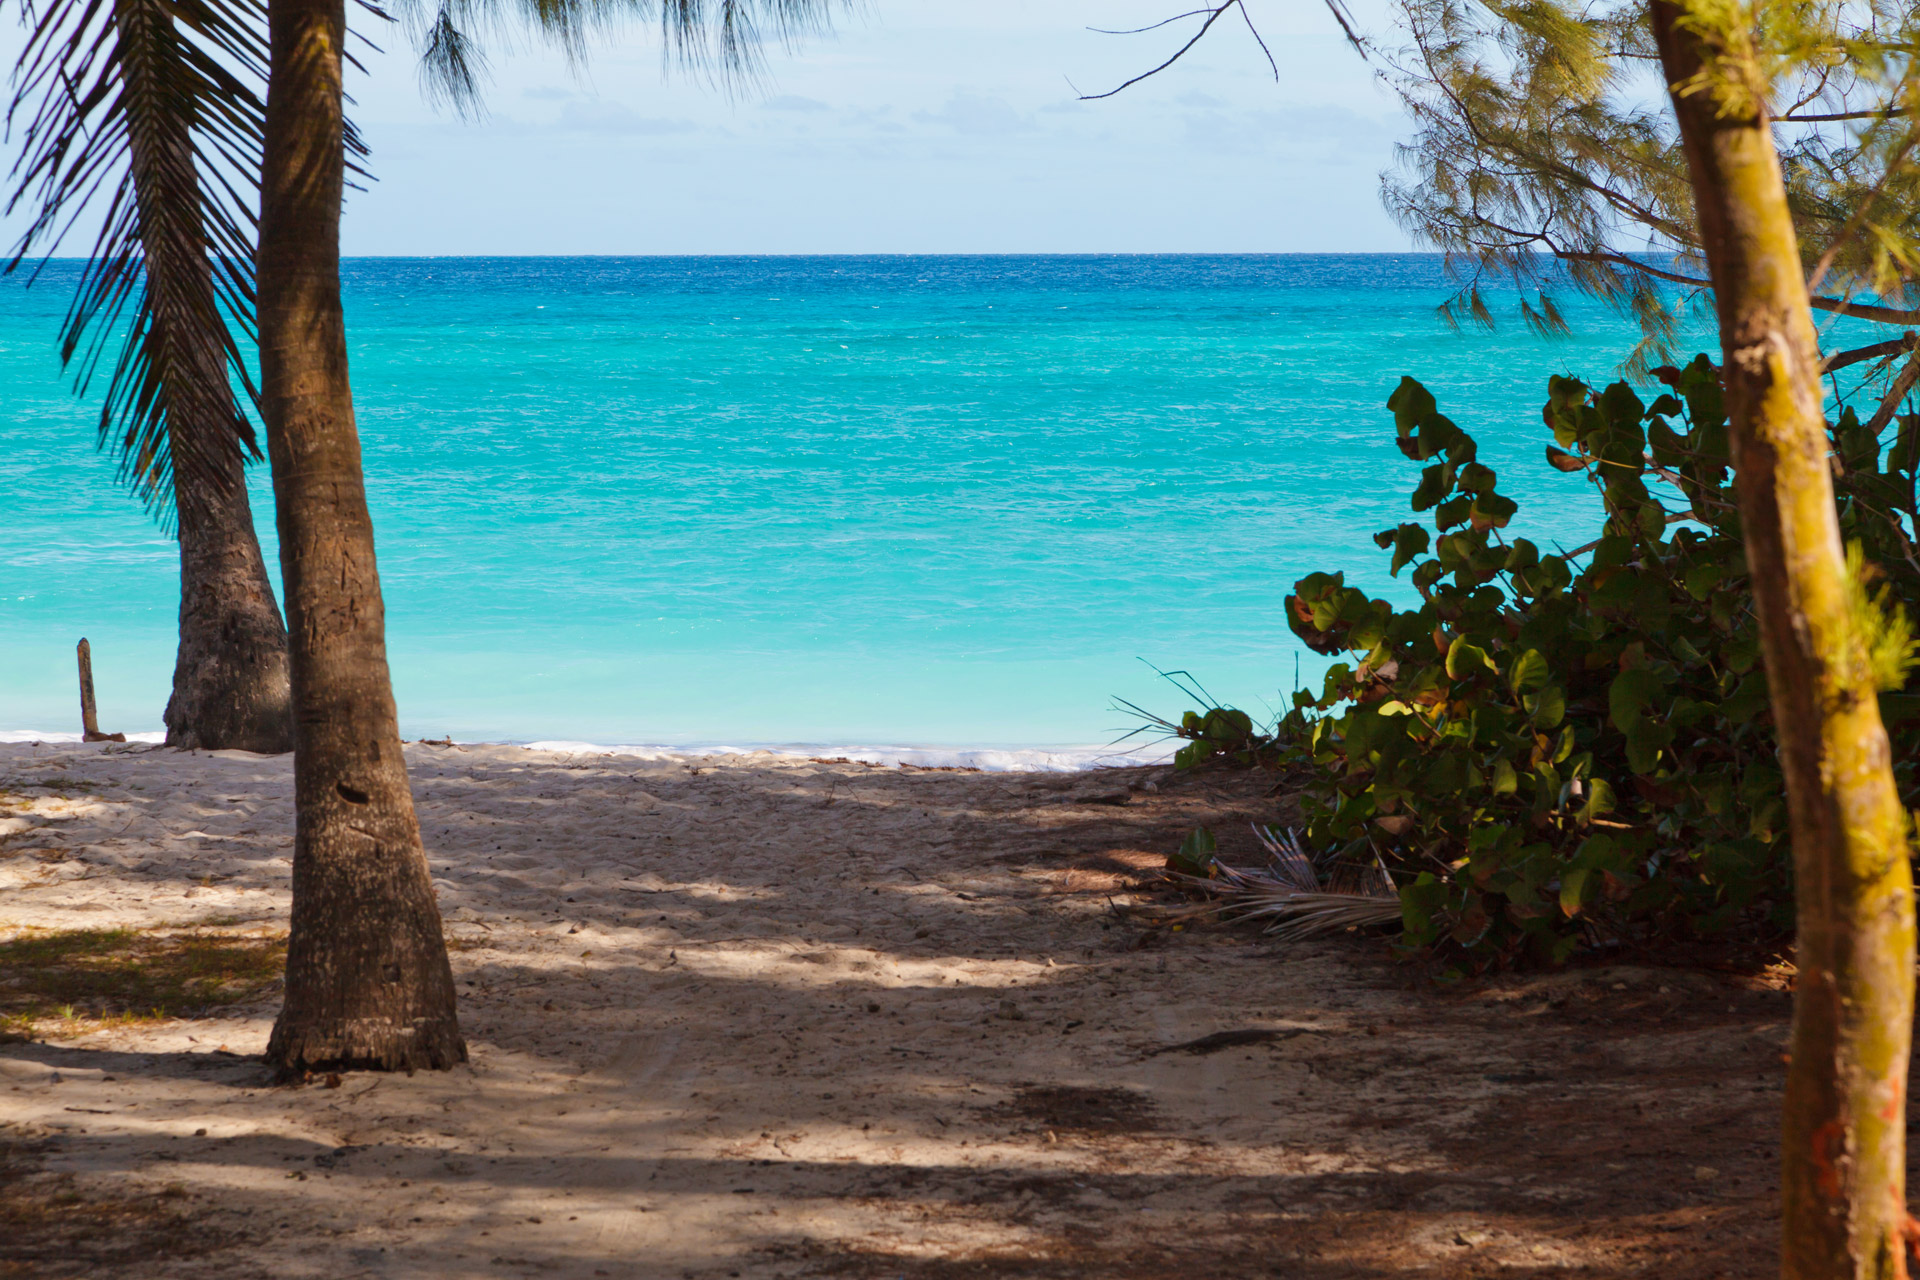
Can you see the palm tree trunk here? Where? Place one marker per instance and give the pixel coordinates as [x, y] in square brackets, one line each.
[230, 685]
[368, 983]
[1843, 1181]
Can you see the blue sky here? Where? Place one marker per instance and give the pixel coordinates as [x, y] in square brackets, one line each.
[918, 126]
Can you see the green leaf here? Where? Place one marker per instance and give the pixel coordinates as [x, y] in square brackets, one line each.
[1645, 741]
[1669, 449]
[1196, 854]
[1420, 902]
[1229, 724]
[1572, 885]
[1631, 693]
[1410, 403]
[1599, 800]
[1549, 708]
[1439, 435]
[1492, 510]
[1653, 520]
[1564, 747]
[1475, 478]
[1529, 672]
[1701, 579]
[1464, 659]
[1409, 541]
[1623, 410]
[1565, 399]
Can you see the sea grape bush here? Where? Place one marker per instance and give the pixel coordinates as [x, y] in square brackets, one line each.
[1558, 749]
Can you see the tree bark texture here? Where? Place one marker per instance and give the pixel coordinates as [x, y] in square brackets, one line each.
[1843, 1183]
[230, 681]
[368, 983]
[230, 686]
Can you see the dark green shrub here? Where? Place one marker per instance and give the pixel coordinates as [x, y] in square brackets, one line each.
[1558, 748]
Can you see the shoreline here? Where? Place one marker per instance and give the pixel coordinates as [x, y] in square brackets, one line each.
[986, 759]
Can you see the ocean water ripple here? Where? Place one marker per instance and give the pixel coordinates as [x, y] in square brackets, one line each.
[946, 502]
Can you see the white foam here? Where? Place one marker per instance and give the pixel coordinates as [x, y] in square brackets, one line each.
[987, 759]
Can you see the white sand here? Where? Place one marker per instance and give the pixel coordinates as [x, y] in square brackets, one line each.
[746, 1016]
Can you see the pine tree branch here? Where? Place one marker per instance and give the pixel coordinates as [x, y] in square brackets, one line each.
[1858, 355]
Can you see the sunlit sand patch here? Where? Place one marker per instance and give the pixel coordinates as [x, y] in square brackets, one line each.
[718, 1023]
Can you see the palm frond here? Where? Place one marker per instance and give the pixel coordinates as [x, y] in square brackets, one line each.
[726, 37]
[147, 112]
[1289, 894]
[452, 66]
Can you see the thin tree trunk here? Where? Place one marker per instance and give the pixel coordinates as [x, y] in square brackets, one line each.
[1843, 1180]
[368, 984]
[230, 685]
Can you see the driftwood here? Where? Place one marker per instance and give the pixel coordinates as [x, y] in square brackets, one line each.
[89, 718]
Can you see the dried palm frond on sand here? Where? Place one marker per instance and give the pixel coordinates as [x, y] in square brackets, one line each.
[1289, 894]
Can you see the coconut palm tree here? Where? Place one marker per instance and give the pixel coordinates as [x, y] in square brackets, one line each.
[368, 983]
[150, 107]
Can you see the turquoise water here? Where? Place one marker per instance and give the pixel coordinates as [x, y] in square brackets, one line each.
[919, 500]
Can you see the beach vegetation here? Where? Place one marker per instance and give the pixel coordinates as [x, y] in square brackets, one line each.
[1561, 749]
[1757, 157]
[130, 975]
[1544, 158]
[1591, 749]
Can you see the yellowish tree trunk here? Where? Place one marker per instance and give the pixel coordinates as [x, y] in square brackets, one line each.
[1843, 1178]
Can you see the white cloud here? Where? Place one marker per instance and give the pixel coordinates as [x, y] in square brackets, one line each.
[977, 115]
[610, 117]
[943, 126]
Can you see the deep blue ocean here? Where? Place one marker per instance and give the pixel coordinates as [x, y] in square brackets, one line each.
[935, 501]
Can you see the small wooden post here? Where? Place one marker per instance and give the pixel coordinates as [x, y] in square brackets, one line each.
[89, 717]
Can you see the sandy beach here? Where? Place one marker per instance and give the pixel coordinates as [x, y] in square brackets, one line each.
[765, 1016]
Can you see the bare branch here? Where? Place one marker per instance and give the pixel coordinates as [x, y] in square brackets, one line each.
[1866, 311]
[1834, 116]
[1902, 385]
[1213, 14]
[1859, 355]
[1261, 41]
[1134, 31]
[1623, 260]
